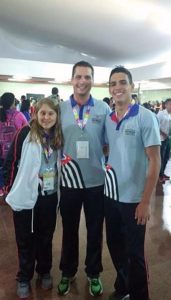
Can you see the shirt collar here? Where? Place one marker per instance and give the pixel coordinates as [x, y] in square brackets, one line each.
[132, 112]
[89, 102]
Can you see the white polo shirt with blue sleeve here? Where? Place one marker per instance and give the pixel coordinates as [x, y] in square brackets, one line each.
[128, 164]
[83, 168]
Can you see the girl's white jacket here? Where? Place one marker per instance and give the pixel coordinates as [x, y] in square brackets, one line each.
[24, 191]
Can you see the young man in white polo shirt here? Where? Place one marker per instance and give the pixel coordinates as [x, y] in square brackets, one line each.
[131, 176]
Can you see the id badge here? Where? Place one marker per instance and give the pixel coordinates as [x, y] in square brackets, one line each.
[82, 148]
[48, 181]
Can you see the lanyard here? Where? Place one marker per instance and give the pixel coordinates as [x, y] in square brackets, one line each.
[81, 123]
[123, 115]
[47, 150]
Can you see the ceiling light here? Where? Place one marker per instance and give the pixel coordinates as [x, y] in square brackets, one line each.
[19, 78]
[83, 54]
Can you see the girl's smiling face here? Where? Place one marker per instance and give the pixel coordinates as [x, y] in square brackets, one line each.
[46, 117]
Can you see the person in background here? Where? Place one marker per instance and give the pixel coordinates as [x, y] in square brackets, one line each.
[55, 95]
[157, 107]
[135, 99]
[112, 104]
[10, 121]
[32, 187]
[32, 107]
[17, 104]
[148, 106]
[25, 109]
[163, 105]
[131, 176]
[164, 117]
[107, 100]
[83, 118]
[23, 98]
[8, 109]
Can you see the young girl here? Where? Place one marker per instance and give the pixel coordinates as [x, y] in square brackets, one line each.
[31, 172]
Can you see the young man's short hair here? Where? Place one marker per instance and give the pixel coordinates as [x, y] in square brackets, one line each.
[121, 69]
[55, 91]
[167, 100]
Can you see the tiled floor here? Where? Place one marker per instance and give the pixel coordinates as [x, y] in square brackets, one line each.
[158, 249]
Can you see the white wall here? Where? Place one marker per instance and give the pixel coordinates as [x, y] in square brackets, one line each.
[153, 95]
[64, 90]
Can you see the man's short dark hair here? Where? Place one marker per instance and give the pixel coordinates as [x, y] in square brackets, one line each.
[23, 97]
[55, 91]
[107, 100]
[121, 69]
[167, 100]
[82, 63]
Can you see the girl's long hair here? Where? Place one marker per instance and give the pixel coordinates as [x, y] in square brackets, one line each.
[36, 131]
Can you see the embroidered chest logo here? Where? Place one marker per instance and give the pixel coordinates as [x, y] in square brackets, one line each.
[130, 132]
[97, 119]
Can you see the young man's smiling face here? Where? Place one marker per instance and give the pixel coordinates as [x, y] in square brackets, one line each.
[120, 88]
